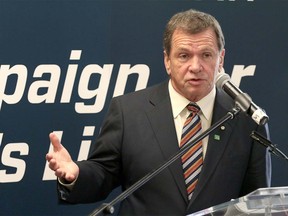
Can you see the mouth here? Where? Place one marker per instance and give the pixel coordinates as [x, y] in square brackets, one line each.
[195, 81]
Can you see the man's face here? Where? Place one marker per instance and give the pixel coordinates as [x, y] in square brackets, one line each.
[193, 63]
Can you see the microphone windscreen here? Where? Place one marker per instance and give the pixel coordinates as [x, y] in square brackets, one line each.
[221, 79]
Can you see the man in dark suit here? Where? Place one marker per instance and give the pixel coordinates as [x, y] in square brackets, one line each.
[143, 129]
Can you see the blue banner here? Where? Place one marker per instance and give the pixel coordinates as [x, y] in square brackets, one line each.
[62, 61]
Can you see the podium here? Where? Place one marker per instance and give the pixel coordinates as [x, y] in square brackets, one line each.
[264, 201]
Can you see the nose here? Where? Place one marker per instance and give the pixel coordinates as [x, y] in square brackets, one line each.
[195, 65]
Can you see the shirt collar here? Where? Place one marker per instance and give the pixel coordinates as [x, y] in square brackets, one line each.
[179, 102]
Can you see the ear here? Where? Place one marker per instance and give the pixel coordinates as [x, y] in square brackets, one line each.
[167, 62]
[221, 61]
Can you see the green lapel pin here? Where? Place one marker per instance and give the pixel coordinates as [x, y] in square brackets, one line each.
[216, 137]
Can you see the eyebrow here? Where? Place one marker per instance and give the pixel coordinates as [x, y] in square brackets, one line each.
[204, 49]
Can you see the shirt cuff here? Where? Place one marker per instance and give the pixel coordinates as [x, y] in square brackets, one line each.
[64, 183]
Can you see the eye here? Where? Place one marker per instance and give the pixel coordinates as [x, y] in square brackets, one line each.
[183, 56]
[207, 55]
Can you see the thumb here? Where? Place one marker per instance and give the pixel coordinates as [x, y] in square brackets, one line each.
[55, 142]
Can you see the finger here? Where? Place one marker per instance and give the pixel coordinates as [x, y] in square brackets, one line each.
[53, 165]
[55, 142]
[70, 178]
[59, 173]
[49, 157]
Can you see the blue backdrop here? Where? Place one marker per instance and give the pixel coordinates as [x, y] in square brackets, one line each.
[62, 61]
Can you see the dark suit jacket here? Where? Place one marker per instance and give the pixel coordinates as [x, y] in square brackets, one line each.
[138, 135]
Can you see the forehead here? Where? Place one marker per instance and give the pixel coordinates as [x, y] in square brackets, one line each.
[203, 39]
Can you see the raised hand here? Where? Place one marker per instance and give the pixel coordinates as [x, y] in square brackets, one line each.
[60, 161]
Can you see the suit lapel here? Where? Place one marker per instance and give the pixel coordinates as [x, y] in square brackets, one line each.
[217, 143]
[162, 123]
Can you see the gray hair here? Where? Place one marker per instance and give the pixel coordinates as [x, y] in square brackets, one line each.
[192, 21]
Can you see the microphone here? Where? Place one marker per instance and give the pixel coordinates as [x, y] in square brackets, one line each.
[267, 144]
[242, 100]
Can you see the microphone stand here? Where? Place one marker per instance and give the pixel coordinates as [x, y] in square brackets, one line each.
[107, 208]
[268, 144]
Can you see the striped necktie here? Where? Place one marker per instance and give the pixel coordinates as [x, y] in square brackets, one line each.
[192, 160]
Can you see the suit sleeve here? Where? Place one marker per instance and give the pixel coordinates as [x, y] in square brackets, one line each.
[100, 174]
[259, 170]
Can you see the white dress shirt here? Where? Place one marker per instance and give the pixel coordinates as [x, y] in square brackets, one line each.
[180, 113]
